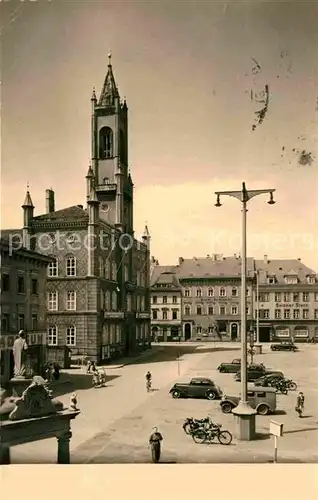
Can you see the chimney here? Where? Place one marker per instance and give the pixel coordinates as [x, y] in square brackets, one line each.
[299, 259]
[208, 256]
[265, 259]
[49, 201]
[180, 260]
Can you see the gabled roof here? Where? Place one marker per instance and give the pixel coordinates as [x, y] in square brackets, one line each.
[209, 267]
[281, 268]
[74, 212]
[158, 271]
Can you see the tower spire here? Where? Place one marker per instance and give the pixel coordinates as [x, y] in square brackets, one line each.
[109, 91]
[28, 200]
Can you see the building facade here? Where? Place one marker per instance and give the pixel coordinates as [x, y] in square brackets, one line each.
[211, 298]
[166, 303]
[288, 300]
[23, 307]
[97, 291]
[211, 294]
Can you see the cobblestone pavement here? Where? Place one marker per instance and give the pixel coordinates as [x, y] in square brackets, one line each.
[124, 439]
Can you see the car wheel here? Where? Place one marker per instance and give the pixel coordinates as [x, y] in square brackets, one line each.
[211, 395]
[222, 370]
[176, 394]
[292, 386]
[262, 409]
[226, 408]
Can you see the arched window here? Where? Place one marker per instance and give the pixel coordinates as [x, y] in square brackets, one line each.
[71, 266]
[210, 292]
[106, 301]
[199, 292]
[52, 335]
[114, 301]
[106, 269]
[187, 292]
[71, 335]
[106, 180]
[222, 292]
[187, 310]
[234, 292]
[122, 147]
[52, 269]
[105, 143]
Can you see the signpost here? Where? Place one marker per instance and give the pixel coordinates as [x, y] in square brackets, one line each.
[276, 430]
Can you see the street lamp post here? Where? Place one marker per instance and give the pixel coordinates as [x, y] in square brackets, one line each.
[257, 309]
[245, 415]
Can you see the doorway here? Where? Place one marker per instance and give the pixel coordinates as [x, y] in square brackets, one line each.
[234, 329]
[187, 331]
[264, 333]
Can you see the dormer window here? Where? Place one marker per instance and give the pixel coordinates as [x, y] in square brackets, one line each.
[271, 280]
[291, 280]
[311, 280]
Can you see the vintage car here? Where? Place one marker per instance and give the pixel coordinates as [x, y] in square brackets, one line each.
[262, 399]
[197, 388]
[284, 346]
[232, 367]
[254, 372]
[265, 380]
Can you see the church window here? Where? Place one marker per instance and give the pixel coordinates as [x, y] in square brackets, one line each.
[105, 143]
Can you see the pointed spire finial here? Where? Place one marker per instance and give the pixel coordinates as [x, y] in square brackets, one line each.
[93, 95]
[28, 186]
[109, 58]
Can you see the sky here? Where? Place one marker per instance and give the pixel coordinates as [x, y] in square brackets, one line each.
[195, 75]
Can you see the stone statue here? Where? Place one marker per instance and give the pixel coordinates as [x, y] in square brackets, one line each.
[19, 349]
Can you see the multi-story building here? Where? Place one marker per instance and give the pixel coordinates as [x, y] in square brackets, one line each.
[97, 290]
[166, 299]
[288, 300]
[23, 277]
[211, 296]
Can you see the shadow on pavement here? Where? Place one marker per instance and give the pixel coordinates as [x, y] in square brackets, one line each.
[260, 436]
[301, 430]
[279, 412]
[76, 382]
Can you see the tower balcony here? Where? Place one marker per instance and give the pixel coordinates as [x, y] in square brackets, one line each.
[106, 188]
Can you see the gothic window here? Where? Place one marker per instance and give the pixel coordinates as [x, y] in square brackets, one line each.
[114, 301]
[52, 269]
[105, 143]
[52, 335]
[71, 266]
[71, 336]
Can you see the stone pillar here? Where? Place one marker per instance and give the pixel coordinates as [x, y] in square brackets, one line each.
[63, 450]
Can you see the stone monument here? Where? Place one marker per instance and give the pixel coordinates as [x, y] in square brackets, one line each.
[19, 382]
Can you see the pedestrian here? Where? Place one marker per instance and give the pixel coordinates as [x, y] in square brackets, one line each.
[93, 366]
[89, 365]
[300, 403]
[56, 371]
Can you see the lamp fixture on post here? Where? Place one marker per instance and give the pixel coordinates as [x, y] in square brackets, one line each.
[244, 413]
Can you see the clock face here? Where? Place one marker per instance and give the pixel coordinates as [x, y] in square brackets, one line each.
[104, 207]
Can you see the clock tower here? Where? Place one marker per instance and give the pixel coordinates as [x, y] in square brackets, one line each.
[112, 182]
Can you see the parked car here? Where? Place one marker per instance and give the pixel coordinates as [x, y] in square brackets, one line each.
[266, 380]
[284, 346]
[262, 399]
[254, 373]
[232, 367]
[197, 388]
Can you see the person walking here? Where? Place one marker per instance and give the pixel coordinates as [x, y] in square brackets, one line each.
[300, 403]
